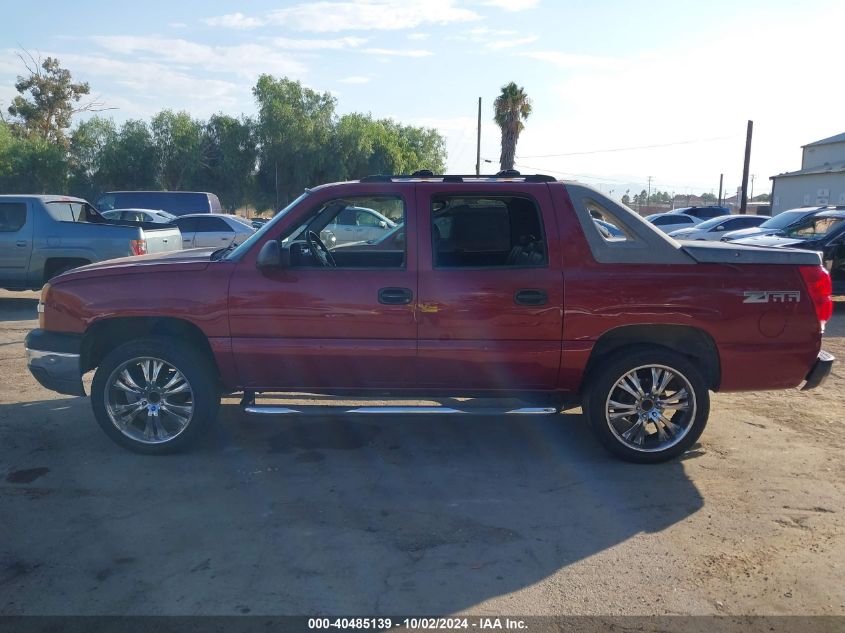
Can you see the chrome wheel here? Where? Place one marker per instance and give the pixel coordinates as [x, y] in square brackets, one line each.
[149, 400]
[651, 408]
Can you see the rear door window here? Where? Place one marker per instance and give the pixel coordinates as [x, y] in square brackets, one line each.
[187, 225]
[12, 216]
[212, 224]
[486, 232]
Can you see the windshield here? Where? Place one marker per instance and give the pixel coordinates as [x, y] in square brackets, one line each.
[710, 224]
[247, 244]
[814, 228]
[782, 220]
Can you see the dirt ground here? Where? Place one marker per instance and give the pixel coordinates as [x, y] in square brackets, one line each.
[419, 516]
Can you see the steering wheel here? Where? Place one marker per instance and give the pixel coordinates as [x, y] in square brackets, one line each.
[321, 253]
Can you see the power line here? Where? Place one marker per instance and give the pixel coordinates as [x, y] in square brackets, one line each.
[631, 181]
[628, 149]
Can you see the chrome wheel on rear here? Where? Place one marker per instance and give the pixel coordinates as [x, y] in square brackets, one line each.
[149, 400]
[651, 408]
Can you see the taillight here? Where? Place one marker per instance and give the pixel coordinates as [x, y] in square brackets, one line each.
[819, 287]
[139, 247]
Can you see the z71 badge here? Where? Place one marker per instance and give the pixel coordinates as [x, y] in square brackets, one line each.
[772, 296]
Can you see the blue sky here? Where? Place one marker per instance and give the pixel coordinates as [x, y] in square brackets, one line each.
[602, 74]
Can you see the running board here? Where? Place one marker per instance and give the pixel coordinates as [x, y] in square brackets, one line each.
[323, 410]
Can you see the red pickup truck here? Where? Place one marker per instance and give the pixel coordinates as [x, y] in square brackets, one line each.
[491, 286]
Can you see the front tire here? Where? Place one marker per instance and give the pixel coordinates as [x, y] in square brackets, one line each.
[647, 405]
[154, 395]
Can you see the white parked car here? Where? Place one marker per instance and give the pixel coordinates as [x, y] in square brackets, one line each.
[714, 229]
[357, 224]
[139, 215]
[668, 222]
[215, 230]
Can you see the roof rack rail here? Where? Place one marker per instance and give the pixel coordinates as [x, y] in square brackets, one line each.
[427, 174]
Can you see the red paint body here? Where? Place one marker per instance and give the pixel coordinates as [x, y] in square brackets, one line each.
[324, 329]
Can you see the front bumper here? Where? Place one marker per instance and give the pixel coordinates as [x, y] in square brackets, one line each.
[820, 371]
[53, 359]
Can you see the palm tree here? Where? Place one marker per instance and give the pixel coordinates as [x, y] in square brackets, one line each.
[512, 107]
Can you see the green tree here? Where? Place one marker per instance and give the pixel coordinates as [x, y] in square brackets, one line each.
[178, 141]
[230, 153]
[131, 160]
[30, 164]
[295, 126]
[511, 107]
[88, 144]
[708, 198]
[48, 99]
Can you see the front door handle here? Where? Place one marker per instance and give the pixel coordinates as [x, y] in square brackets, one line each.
[20, 243]
[395, 296]
[530, 297]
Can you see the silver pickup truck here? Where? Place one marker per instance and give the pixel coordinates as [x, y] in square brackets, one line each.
[44, 236]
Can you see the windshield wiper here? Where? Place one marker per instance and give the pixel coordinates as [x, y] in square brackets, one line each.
[221, 252]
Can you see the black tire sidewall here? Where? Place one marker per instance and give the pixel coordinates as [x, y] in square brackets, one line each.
[606, 375]
[192, 365]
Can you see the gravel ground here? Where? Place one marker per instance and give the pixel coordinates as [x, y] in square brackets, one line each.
[408, 515]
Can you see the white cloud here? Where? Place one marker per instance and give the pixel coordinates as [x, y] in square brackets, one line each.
[512, 5]
[247, 60]
[389, 52]
[177, 25]
[234, 21]
[576, 60]
[355, 79]
[418, 36]
[502, 44]
[328, 16]
[317, 45]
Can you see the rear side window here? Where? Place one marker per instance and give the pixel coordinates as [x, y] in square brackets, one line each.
[487, 232]
[12, 216]
[187, 225]
[68, 211]
[212, 225]
[607, 225]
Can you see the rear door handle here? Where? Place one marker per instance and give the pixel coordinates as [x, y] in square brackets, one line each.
[21, 243]
[395, 296]
[530, 297]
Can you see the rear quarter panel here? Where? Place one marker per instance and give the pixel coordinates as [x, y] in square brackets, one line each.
[768, 345]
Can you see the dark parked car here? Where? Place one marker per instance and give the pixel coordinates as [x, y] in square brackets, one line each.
[823, 232]
[703, 213]
[175, 202]
[773, 225]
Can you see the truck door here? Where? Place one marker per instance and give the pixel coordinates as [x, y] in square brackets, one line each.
[16, 222]
[490, 288]
[344, 324]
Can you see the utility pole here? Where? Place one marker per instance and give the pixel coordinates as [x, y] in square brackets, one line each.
[721, 179]
[478, 143]
[648, 197]
[751, 197]
[743, 205]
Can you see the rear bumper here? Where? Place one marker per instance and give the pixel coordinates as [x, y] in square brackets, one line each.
[820, 371]
[54, 361]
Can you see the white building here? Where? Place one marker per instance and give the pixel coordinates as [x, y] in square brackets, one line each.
[820, 181]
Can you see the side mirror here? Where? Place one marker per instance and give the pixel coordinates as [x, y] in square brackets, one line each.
[272, 255]
[721, 227]
[382, 224]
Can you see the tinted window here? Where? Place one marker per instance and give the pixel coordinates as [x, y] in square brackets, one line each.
[211, 224]
[178, 203]
[784, 219]
[365, 218]
[486, 231]
[347, 217]
[12, 216]
[68, 211]
[187, 225]
[672, 219]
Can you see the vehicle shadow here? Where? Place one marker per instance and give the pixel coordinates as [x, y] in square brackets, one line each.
[18, 308]
[347, 515]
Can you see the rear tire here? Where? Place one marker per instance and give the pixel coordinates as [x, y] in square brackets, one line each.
[644, 422]
[155, 395]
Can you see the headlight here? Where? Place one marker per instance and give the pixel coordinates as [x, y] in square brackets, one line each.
[45, 294]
